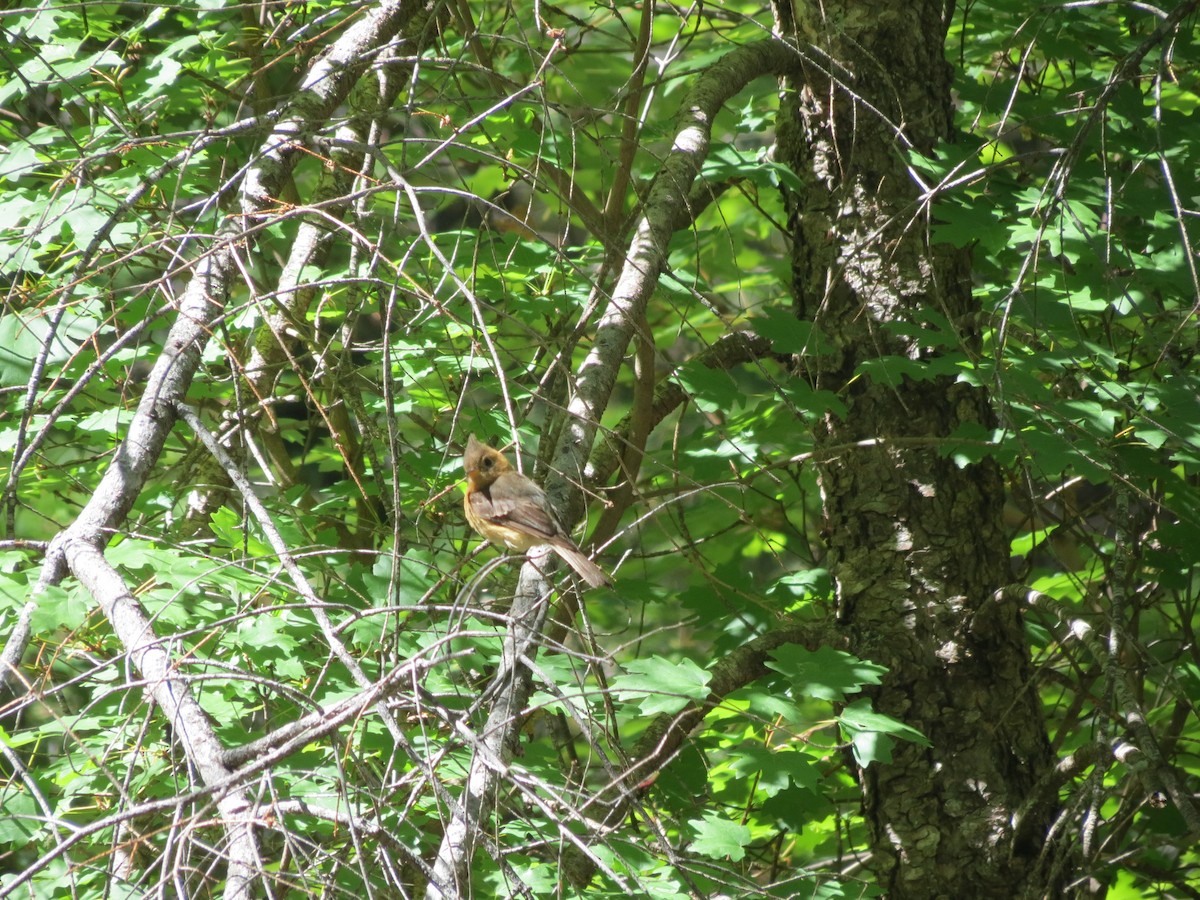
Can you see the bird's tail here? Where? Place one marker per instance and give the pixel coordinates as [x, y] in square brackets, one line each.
[584, 567]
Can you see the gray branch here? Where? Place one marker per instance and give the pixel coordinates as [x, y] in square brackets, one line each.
[646, 257]
[79, 547]
[644, 262]
[189, 723]
[1143, 754]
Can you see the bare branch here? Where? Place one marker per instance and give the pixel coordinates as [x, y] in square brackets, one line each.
[597, 375]
[78, 548]
[646, 256]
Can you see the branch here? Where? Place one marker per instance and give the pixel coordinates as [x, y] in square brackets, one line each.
[597, 376]
[139, 452]
[511, 686]
[78, 548]
[661, 741]
[308, 110]
[646, 258]
[1153, 766]
[320, 227]
[189, 723]
[728, 351]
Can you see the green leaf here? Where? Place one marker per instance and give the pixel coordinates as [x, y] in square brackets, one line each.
[713, 390]
[787, 332]
[269, 633]
[718, 838]
[22, 335]
[661, 685]
[14, 588]
[869, 732]
[20, 815]
[59, 610]
[825, 673]
[726, 162]
[776, 769]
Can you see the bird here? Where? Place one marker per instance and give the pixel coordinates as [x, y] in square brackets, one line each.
[511, 510]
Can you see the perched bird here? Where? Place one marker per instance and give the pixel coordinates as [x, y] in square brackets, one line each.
[509, 509]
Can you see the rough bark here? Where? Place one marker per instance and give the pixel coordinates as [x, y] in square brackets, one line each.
[916, 543]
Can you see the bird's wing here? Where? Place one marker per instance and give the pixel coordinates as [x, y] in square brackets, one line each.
[519, 503]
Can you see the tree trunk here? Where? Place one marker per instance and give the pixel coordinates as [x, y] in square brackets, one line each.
[915, 539]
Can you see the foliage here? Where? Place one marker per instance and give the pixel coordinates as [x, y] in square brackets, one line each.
[469, 235]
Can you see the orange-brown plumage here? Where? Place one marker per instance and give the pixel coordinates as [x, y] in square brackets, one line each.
[511, 510]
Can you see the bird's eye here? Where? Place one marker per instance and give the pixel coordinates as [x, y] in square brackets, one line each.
[488, 462]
